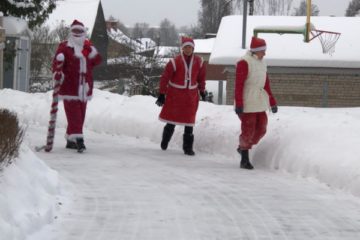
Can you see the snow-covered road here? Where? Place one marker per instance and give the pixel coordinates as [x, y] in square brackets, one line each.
[127, 188]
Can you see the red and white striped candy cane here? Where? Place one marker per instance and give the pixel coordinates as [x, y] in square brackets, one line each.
[58, 76]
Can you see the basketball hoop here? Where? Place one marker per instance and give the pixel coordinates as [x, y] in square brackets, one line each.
[327, 39]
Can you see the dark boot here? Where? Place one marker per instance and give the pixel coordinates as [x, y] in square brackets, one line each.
[80, 145]
[71, 144]
[188, 140]
[166, 136]
[245, 162]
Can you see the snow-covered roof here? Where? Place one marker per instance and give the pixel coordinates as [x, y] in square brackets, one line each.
[67, 10]
[118, 36]
[147, 43]
[289, 49]
[166, 52]
[204, 45]
[15, 26]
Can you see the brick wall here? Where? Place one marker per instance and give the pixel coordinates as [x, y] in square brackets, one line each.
[310, 87]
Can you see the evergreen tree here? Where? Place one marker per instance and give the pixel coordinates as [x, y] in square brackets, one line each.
[34, 11]
[353, 8]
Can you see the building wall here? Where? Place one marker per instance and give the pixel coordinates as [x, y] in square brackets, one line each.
[309, 87]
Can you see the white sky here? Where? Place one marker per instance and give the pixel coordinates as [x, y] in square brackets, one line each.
[305, 184]
[185, 12]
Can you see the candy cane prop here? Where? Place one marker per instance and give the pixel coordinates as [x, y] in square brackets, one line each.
[53, 113]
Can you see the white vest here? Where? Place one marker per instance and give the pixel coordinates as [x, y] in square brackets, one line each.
[255, 97]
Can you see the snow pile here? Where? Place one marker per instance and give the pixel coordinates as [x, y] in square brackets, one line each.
[29, 189]
[310, 142]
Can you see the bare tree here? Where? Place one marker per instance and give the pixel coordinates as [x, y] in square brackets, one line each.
[119, 25]
[43, 46]
[302, 11]
[61, 31]
[140, 30]
[353, 9]
[268, 7]
[42, 51]
[211, 14]
[168, 33]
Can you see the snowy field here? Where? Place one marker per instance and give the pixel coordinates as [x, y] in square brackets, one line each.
[306, 182]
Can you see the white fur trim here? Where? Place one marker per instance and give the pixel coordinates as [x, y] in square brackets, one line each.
[258, 49]
[82, 65]
[73, 137]
[177, 123]
[78, 27]
[188, 44]
[74, 98]
[93, 52]
[60, 57]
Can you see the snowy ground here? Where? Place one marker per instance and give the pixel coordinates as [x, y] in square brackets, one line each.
[306, 184]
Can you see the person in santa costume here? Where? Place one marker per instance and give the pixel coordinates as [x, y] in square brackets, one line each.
[72, 66]
[181, 83]
[253, 97]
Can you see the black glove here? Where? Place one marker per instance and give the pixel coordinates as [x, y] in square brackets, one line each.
[274, 109]
[161, 100]
[239, 110]
[203, 96]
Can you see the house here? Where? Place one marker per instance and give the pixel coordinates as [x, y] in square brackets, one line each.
[215, 73]
[90, 13]
[16, 64]
[119, 43]
[300, 74]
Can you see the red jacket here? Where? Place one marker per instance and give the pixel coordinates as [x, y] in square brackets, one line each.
[77, 82]
[181, 82]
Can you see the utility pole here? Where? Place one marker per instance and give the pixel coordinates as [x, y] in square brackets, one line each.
[2, 46]
[244, 24]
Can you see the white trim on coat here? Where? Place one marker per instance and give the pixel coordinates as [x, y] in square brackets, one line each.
[73, 137]
[177, 123]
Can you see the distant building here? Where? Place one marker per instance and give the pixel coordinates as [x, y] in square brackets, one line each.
[300, 74]
[215, 73]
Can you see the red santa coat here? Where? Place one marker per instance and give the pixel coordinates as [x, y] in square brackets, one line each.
[77, 82]
[181, 83]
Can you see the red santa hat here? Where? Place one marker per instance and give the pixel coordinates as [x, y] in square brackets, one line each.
[257, 44]
[187, 41]
[77, 25]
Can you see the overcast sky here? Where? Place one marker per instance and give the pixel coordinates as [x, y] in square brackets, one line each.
[185, 12]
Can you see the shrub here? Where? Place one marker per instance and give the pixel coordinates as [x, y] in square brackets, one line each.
[11, 136]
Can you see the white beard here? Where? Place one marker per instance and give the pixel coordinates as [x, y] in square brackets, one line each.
[77, 42]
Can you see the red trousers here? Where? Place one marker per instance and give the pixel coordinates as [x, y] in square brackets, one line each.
[75, 111]
[253, 128]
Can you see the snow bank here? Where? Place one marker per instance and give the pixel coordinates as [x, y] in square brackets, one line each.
[318, 143]
[28, 196]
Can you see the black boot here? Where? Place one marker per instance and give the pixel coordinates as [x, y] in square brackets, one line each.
[166, 136]
[80, 145]
[188, 140]
[245, 162]
[71, 144]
